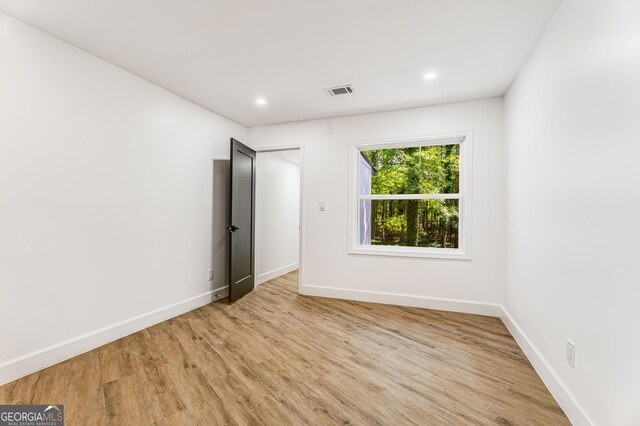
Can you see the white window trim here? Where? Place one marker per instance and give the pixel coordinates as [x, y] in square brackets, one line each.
[464, 196]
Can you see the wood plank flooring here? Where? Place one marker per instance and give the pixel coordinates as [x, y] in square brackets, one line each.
[277, 358]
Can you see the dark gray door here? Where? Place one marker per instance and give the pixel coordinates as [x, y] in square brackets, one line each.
[242, 214]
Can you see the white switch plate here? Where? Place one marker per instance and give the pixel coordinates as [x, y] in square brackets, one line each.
[571, 353]
[210, 274]
[322, 206]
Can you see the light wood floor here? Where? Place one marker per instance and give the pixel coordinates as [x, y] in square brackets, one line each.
[278, 358]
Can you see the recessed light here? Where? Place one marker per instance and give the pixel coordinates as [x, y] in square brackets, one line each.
[430, 75]
[261, 101]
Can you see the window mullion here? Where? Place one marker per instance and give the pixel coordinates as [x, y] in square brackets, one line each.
[409, 196]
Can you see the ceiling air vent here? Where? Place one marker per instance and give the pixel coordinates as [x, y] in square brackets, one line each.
[340, 90]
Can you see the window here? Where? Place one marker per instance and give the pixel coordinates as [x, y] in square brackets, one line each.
[411, 197]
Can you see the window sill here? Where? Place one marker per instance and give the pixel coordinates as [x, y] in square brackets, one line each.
[451, 254]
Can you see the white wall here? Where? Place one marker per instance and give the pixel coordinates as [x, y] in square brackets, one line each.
[574, 204]
[277, 213]
[105, 194]
[329, 270]
[220, 222]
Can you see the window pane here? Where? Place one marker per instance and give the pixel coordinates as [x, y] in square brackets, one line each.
[409, 223]
[415, 170]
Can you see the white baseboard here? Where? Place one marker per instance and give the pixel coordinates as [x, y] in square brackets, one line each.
[26, 364]
[264, 277]
[37, 360]
[565, 398]
[560, 391]
[452, 305]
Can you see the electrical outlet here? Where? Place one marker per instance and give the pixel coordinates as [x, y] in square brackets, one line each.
[571, 353]
[210, 274]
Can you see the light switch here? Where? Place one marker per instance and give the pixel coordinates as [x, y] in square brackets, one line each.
[322, 206]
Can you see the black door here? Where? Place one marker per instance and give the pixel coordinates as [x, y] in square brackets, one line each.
[242, 214]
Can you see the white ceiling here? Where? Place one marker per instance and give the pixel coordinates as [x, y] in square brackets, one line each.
[224, 54]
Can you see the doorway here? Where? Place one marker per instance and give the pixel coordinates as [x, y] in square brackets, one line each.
[278, 212]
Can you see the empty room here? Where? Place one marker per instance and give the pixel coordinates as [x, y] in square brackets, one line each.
[337, 212]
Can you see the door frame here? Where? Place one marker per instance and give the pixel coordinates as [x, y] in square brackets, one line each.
[301, 235]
